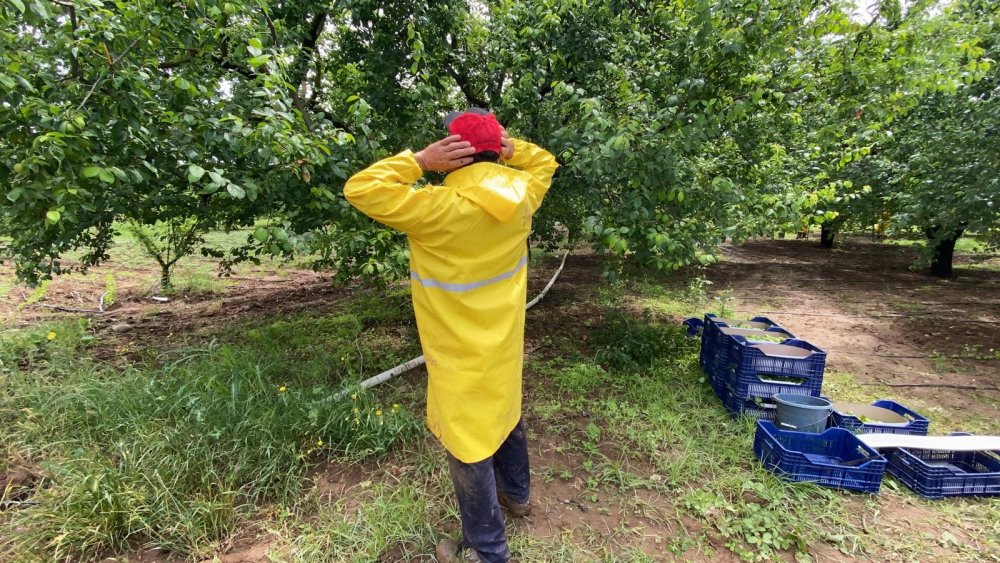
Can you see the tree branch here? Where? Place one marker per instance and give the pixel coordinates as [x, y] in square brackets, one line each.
[111, 67]
[466, 88]
[74, 65]
[462, 79]
[301, 66]
[190, 56]
[222, 60]
[270, 23]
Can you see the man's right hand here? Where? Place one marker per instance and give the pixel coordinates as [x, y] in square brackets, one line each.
[506, 146]
[445, 155]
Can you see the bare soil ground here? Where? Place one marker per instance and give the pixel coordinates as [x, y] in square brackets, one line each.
[880, 322]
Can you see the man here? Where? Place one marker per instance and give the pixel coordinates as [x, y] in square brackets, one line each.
[468, 273]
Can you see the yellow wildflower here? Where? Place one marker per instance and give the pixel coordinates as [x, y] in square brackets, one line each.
[395, 406]
[355, 410]
[319, 442]
[282, 389]
[378, 412]
[354, 397]
[52, 335]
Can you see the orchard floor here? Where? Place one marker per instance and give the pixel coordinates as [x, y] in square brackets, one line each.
[623, 472]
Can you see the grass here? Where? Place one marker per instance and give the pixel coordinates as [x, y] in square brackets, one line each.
[964, 245]
[388, 515]
[196, 446]
[178, 454]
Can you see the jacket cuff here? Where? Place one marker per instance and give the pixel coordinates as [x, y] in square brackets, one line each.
[408, 167]
[522, 154]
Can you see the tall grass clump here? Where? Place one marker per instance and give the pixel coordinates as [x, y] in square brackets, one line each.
[175, 455]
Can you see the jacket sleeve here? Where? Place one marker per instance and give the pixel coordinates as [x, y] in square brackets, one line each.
[539, 164]
[384, 191]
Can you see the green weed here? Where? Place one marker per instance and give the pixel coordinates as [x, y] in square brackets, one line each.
[624, 342]
[110, 289]
[33, 349]
[390, 517]
[6, 286]
[178, 454]
[37, 294]
[196, 281]
[673, 299]
[581, 378]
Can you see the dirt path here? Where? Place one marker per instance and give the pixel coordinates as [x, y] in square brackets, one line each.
[878, 320]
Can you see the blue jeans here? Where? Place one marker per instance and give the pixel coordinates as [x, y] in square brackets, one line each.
[477, 485]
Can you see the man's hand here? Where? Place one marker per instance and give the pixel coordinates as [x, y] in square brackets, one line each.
[506, 146]
[445, 155]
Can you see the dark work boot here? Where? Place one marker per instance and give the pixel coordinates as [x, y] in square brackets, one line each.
[514, 508]
[451, 551]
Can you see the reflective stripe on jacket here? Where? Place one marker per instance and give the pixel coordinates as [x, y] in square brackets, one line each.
[468, 273]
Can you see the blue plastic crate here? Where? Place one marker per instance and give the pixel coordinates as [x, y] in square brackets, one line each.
[835, 458]
[917, 424]
[717, 350]
[757, 372]
[715, 320]
[758, 408]
[713, 354]
[725, 340]
[936, 474]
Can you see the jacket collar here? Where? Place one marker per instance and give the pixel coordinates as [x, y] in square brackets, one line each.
[496, 189]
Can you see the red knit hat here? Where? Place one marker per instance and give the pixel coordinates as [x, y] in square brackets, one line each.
[478, 127]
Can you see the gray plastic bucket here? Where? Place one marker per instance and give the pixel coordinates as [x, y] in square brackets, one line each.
[801, 413]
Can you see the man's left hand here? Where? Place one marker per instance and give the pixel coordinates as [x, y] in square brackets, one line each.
[445, 155]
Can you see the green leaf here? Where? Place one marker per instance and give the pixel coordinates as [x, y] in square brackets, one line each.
[261, 234]
[195, 173]
[236, 191]
[18, 5]
[7, 82]
[39, 7]
[259, 61]
[52, 216]
[91, 171]
[106, 177]
[254, 47]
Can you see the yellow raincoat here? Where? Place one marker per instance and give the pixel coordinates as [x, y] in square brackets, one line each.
[468, 273]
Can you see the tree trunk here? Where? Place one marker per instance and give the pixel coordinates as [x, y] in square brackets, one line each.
[944, 252]
[165, 284]
[826, 236]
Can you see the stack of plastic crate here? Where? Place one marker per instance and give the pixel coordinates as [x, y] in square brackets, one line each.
[757, 372]
[715, 342]
[746, 367]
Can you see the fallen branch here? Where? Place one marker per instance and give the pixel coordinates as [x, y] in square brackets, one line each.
[942, 385]
[99, 310]
[17, 503]
[887, 316]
